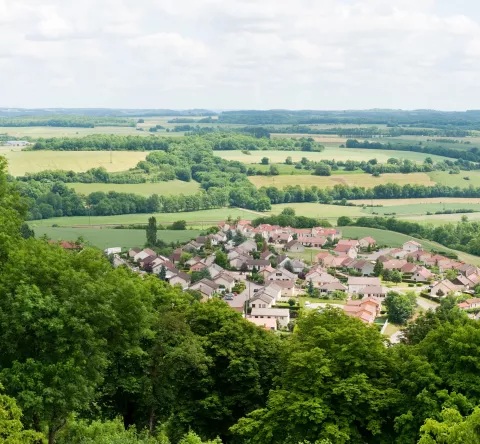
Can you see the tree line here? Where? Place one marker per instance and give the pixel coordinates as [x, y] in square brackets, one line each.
[66, 121]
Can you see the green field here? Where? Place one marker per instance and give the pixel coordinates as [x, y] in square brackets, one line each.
[319, 211]
[330, 153]
[361, 180]
[456, 180]
[393, 239]
[109, 237]
[172, 188]
[50, 131]
[420, 209]
[21, 162]
[206, 217]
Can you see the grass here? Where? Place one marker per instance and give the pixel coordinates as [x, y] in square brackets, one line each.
[394, 202]
[205, 217]
[391, 329]
[456, 180]
[21, 162]
[319, 211]
[393, 239]
[302, 301]
[307, 256]
[173, 188]
[329, 153]
[420, 209]
[103, 238]
[362, 180]
[48, 131]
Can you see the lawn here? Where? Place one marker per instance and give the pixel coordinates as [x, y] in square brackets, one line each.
[362, 180]
[302, 301]
[308, 256]
[329, 153]
[173, 188]
[393, 239]
[109, 237]
[456, 180]
[205, 217]
[21, 162]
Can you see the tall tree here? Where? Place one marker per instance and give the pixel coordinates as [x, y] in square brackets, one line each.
[152, 232]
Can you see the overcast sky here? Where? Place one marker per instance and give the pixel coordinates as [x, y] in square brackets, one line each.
[250, 54]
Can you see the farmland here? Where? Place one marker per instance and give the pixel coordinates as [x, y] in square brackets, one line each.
[362, 180]
[21, 162]
[393, 239]
[419, 201]
[51, 131]
[339, 154]
[109, 237]
[171, 188]
[319, 211]
[206, 217]
[456, 180]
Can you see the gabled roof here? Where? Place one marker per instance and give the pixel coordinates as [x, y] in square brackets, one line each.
[372, 281]
[369, 239]
[413, 243]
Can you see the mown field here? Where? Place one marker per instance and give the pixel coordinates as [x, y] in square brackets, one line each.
[21, 162]
[50, 131]
[319, 211]
[456, 180]
[170, 188]
[362, 180]
[393, 239]
[109, 237]
[329, 153]
[206, 217]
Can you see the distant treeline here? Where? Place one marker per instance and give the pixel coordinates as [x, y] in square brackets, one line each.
[66, 121]
[469, 120]
[472, 154]
[463, 236]
[216, 141]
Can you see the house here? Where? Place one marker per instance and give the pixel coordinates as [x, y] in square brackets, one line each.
[273, 289]
[197, 266]
[468, 270]
[297, 265]
[332, 287]
[287, 288]
[411, 246]
[206, 287]
[248, 246]
[192, 246]
[215, 270]
[133, 252]
[239, 261]
[282, 259]
[364, 267]
[143, 254]
[443, 288]
[355, 284]
[330, 233]
[367, 242]
[398, 253]
[224, 280]
[373, 291]
[257, 264]
[266, 271]
[364, 309]
[281, 274]
[320, 256]
[295, 246]
[269, 324]
[176, 255]
[346, 250]
[422, 275]
[394, 264]
[118, 261]
[112, 250]
[266, 255]
[261, 299]
[333, 261]
[470, 303]
[282, 238]
[181, 278]
[409, 268]
[319, 279]
[281, 315]
[312, 242]
[349, 242]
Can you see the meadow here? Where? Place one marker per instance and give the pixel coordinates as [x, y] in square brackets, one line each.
[393, 239]
[205, 217]
[108, 237]
[456, 180]
[170, 188]
[320, 211]
[362, 180]
[21, 162]
[417, 201]
[339, 154]
[52, 131]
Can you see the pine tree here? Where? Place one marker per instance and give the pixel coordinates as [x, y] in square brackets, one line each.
[378, 269]
[152, 232]
[163, 273]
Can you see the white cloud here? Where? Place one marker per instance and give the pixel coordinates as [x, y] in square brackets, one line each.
[240, 53]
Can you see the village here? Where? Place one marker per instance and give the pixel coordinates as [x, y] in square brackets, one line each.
[258, 271]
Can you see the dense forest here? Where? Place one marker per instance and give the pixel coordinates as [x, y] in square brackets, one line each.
[92, 354]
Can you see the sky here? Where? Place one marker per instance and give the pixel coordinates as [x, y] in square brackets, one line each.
[240, 54]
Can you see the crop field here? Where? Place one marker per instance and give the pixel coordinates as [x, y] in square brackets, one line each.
[319, 211]
[51, 131]
[362, 180]
[339, 154]
[441, 219]
[170, 188]
[456, 180]
[393, 239]
[419, 201]
[205, 217]
[420, 209]
[21, 162]
[109, 237]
